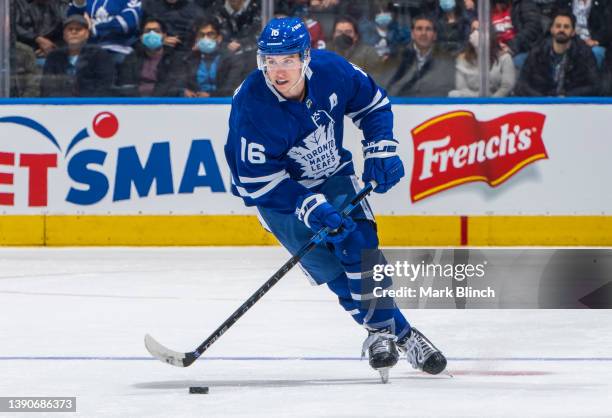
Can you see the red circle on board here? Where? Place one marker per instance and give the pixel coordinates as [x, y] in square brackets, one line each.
[105, 124]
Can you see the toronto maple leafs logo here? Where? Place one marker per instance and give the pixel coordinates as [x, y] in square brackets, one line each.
[317, 154]
[102, 16]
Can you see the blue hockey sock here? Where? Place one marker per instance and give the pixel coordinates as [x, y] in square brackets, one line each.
[377, 313]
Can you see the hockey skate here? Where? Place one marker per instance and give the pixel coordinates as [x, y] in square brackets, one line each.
[421, 353]
[382, 352]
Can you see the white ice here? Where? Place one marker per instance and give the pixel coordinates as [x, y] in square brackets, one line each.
[72, 323]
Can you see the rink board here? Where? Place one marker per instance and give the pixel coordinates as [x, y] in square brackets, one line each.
[146, 173]
[93, 230]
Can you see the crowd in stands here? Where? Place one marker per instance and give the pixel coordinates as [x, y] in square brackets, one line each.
[205, 48]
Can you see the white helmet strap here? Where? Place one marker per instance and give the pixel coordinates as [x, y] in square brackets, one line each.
[305, 63]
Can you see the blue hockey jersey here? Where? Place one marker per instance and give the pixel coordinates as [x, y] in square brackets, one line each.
[115, 22]
[279, 150]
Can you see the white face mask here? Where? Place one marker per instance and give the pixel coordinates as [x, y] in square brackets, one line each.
[474, 39]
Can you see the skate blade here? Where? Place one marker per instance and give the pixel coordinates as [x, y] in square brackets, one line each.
[384, 374]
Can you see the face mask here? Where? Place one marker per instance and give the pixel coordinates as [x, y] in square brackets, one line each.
[152, 40]
[206, 45]
[383, 19]
[343, 42]
[474, 39]
[447, 5]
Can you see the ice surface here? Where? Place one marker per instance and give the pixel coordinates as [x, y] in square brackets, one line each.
[72, 323]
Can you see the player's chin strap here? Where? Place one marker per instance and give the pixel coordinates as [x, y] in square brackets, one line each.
[304, 69]
[297, 82]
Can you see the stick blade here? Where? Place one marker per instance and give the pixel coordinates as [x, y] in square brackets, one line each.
[164, 354]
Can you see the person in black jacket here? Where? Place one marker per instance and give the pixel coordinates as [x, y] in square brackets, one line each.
[211, 70]
[592, 18]
[146, 71]
[596, 13]
[38, 23]
[240, 23]
[77, 70]
[561, 65]
[25, 74]
[424, 70]
[526, 21]
[607, 64]
[453, 26]
[526, 25]
[178, 15]
[207, 5]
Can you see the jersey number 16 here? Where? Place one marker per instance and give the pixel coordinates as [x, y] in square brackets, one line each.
[253, 151]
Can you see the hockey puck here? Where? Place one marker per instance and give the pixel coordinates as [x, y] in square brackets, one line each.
[198, 389]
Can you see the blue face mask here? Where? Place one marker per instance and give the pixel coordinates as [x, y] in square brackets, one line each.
[383, 19]
[206, 45]
[152, 40]
[447, 5]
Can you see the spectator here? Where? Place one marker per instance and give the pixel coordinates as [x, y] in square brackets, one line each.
[317, 36]
[424, 69]
[518, 27]
[211, 70]
[146, 71]
[419, 7]
[178, 15]
[591, 23]
[383, 31]
[113, 24]
[77, 70]
[207, 6]
[25, 75]
[502, 74]
[301, 9]
[547, 9]
[240, 23]
[607, 64]
[501, 21]
[453, 26]
[561, 65]
[346, 42]
[470, 10]
[38, 24]
[327, 11]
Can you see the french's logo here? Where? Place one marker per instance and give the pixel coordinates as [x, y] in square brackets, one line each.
[456, 148]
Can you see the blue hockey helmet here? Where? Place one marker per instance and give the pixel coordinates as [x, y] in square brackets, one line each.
[284, 36]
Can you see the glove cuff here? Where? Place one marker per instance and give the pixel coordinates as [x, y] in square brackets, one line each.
[380, 149]
[309, 204]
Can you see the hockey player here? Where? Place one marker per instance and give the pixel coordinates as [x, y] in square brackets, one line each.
[285, 153]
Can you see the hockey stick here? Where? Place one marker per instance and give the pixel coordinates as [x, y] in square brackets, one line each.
[186, 359]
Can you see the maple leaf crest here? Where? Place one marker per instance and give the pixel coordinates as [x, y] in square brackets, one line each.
[319, 156]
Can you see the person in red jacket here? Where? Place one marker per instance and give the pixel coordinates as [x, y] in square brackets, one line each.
[518, 26]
